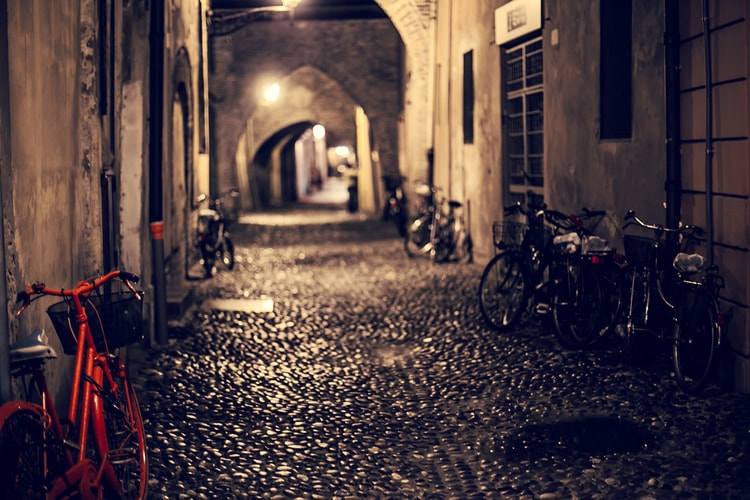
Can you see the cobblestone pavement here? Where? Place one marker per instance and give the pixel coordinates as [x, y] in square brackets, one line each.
[374, 377]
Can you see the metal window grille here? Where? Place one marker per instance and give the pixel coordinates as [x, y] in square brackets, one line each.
[523, 121]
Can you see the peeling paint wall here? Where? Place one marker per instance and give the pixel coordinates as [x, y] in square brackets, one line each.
[54, 168]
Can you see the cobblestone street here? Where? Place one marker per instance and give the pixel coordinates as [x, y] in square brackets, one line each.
[344, 369]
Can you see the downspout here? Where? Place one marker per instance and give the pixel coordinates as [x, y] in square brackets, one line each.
[709, 135]
[5, 389]
[156, 153]
[673, 184]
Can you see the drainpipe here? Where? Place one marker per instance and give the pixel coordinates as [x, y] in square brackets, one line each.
[673, 184]
[5, 389]
[156, 152]
[709, 135]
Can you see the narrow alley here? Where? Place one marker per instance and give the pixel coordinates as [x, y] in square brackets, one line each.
[348, 370]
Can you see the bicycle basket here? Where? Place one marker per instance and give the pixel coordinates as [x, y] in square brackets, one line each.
[115, 319]
[507, 233]
[639, 250]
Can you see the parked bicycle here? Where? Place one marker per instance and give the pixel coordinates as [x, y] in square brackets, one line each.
[100, 449]
[522, 272]
[440, 231]
[673, 295]
[395, 208]
[417, 241]
[212, 238]
[587, 296]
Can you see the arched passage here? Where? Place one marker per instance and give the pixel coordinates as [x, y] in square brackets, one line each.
[307, 97]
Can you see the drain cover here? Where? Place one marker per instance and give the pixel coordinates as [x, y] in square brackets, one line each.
[241, 305]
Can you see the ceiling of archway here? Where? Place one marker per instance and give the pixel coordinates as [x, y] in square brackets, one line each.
[311, 9]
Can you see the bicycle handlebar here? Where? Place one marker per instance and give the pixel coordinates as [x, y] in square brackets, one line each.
[83, 288]
[688, 230]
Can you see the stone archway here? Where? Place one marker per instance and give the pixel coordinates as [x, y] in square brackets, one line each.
[242, 60]
[179, 173]
[310, 97]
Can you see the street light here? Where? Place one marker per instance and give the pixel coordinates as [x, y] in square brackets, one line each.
[224, 24]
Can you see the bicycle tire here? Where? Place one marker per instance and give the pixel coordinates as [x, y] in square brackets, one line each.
[696, 336]
[577, 306]
[503, 291]
[22, 445]
[119, 433]
[227, 253]
[417, 239]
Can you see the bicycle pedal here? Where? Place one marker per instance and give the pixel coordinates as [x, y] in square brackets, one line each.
[542, 309]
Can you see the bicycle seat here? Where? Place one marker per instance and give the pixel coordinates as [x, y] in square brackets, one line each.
[689, 263]
[34, 346]
[454, 204]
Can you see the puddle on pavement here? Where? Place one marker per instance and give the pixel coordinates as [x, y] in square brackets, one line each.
[582, 437]
[241, 305]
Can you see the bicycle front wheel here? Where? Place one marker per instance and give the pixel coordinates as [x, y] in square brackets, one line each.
[503, 291]
[22, 452]
[118, 432]
[696, 337]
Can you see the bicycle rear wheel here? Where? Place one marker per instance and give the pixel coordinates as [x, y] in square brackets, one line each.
[22, 452]
[503, 291]
[119, 433]
[577, 305]
[696, 336]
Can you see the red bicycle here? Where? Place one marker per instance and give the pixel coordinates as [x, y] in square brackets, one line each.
[100, 449]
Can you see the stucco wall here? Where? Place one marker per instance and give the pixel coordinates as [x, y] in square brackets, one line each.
[582, 170]
[54, 168]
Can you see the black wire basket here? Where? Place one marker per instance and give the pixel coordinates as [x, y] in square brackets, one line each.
[639, 250]
[508, 233]
[115, 319]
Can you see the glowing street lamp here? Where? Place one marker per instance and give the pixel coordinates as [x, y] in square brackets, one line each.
[272, 92]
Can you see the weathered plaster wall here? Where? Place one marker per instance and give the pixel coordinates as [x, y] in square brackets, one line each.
[53, 167]
[582, 170]
[470, 173]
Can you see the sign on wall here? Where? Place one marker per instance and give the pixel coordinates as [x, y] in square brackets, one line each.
[516, 19]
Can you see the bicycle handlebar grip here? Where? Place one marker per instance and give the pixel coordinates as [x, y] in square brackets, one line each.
[133, 278]
[512, 209]
[537, 207]
[593, 213]
[557, 214]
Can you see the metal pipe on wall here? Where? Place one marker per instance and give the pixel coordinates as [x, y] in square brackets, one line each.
[673, 183]
[156, 152]
[709, 134]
